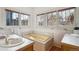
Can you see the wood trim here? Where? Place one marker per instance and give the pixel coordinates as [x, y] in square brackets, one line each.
[56, 11]
[46, 13]
[67, 9]
[16, 12]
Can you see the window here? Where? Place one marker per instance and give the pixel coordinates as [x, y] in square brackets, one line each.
[8, 18]
[41, 20]
[66, 16]
[63, 17]
[24, 19]
[15, 18]
[54, 17]
[51, 18]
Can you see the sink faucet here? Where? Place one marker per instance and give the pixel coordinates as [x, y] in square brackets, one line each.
[13, 31]
[6, 39]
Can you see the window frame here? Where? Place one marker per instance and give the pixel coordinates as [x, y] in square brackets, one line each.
[57, 12]
[19, 18]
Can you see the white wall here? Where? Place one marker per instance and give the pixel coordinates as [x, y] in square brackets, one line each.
[2, 17]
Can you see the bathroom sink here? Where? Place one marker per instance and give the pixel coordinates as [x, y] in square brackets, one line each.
[11, 42]
[75, 35]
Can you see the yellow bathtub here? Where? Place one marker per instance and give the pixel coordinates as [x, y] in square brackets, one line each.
[42, 42]
[37, 37]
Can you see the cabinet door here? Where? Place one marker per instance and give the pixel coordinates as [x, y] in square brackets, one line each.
[27, 48]
[68, 47]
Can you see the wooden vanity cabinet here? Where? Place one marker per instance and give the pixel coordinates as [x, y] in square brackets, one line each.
[27, 48]
[69, 47]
